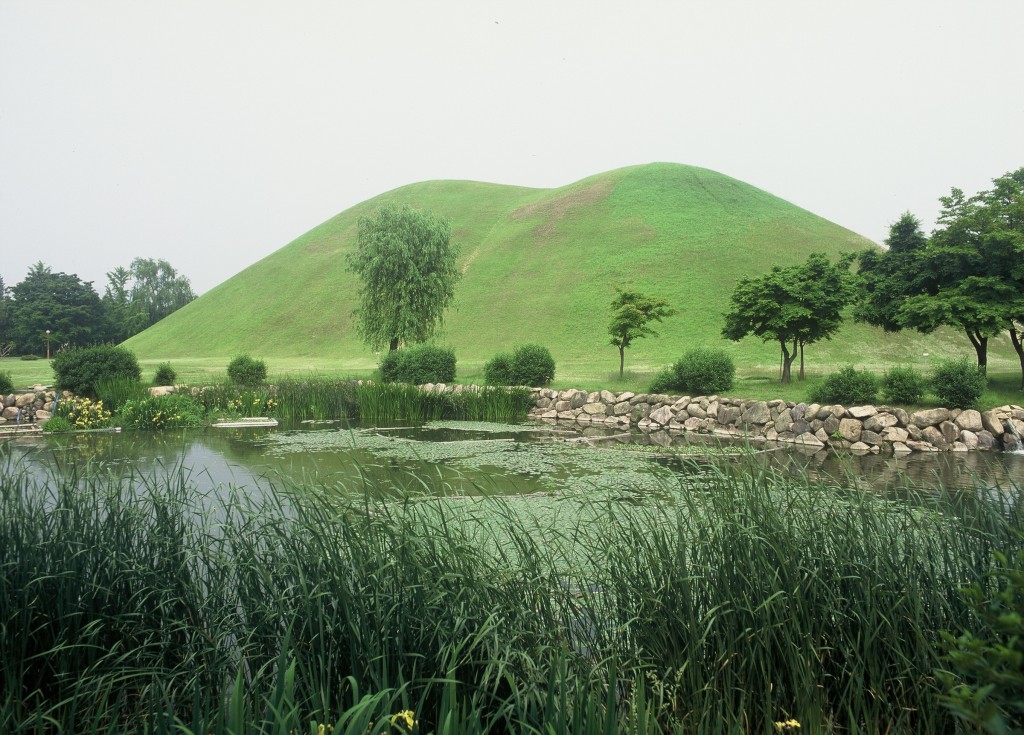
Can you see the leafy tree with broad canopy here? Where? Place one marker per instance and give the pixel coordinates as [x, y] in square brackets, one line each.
[794, 306]
[61, 303]
[406, 263]
[969, 275]
[632, 314]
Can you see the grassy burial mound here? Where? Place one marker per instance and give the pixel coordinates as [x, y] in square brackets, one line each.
[540, 265]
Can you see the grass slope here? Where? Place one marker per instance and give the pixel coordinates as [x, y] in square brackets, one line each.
[542, 265]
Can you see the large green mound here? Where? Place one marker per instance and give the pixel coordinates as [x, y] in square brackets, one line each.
[540, 265]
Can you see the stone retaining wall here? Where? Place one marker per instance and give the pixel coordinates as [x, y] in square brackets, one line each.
[40, 398]
[859, 428]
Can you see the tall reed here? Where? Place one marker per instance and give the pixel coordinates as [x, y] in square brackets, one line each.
[150, 604]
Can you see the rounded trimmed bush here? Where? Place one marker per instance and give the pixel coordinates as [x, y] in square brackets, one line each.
[532, 365]
[165, 374]
[958, 383]
[849, 386]
[498, 370]
[79, 370]
[244, 370]
[418, 365]
[6, 384]
[704, 371]
[903, 384]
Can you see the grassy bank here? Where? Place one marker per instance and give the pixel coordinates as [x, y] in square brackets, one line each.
[1003, 388]
[745, 600]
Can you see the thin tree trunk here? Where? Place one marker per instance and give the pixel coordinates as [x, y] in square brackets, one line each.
[394, 344]
[622, 360]
[1017, 337]
[801, 375]
[787, 360]
[980, 343]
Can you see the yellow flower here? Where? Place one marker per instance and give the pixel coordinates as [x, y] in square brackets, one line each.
[405, 717]
[786, 725]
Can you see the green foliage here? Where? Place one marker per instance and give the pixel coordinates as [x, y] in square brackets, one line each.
[406, 402]
[985, 681]
[405, 263]
[848, 386]
[498, 370]
[247, 371]
[903, 384]
[174, 411]
[117, 390]
[83, 413]
[315, 398]
[632, 314]
[958, 383]
[79, 370]
[531, 365]
[889, 276]
[57, 424]
[30, 357]
[253, 403]
[967, 276]
[664, 381]
[704, 371]
[418, 365]
[165, 374]
[141, 604]
[61, 303]
[6, 383]
[799, 304]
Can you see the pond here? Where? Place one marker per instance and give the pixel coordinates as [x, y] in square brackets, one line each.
[473, 458]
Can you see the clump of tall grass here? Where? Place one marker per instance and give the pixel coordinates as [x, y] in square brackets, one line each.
[316, 398]
[403, 402]
[755, 599]
[116, 390]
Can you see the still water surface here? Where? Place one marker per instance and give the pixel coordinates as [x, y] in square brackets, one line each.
[468, 458]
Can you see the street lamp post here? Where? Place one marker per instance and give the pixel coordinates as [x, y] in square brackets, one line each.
[47, 344]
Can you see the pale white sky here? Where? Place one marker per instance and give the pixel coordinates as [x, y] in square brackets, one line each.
[211, 133]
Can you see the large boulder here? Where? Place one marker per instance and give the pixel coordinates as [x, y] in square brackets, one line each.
[929, 417]
[969, 420]
[661, 416]
[850, 429]
[757, 412]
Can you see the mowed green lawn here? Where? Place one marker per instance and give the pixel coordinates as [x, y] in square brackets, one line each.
[763, 383]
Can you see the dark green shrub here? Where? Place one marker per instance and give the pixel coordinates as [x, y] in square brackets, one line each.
[704, 371]
[6, 384]
[903, 384]
[958, 383]
[532, 365]
[664, 382]
[849, 386]
[418, 365]
[390, 366]
[244, 370]
[29, 357]
[79, 370]
[165, 374]
[498, 370]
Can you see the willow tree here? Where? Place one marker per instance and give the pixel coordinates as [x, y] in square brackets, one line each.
[405, 261]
